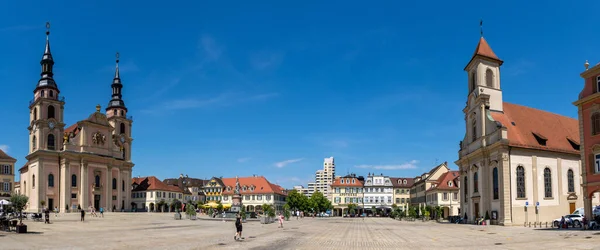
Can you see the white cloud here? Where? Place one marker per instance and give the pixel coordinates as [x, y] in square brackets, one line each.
[210, 48]
[286, 162]
[242, 160]
[4, 148]
[409, 165]
[224, 99]
[264, 60]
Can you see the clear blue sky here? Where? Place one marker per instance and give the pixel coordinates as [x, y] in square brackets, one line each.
[224, 89]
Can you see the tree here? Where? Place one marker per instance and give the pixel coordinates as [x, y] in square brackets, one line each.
[286, 211]
[220, 207]
[296, 200]
[19, 201]
[161, 205]
[43, 203]
[352, 209]
[319, 202]
[176, 204]
[190, 210]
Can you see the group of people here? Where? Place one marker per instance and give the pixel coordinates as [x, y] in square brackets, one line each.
[92, 212]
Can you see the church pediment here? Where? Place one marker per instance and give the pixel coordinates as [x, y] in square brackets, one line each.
[572, 196]
[98, 118]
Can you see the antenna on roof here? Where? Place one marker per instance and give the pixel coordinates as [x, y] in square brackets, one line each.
[481, 27]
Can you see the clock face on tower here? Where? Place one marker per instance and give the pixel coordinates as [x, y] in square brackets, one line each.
[51, 125]
[122, 139]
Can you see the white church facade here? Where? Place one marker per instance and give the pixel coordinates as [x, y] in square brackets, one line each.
[517, 163]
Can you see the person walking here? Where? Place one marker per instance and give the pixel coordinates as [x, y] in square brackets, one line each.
[280, 220]
[102, 212]
[82, 215]
[47, 215]
[238, 227]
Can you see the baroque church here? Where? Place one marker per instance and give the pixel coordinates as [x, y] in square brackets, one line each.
[517, 164]
[87, 164]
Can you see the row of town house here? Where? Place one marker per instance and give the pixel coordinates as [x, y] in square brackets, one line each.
[148, 193]
[379, 193]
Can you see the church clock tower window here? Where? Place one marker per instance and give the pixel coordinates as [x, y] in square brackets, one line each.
[50, 112]
[489, 78]
[50, 142]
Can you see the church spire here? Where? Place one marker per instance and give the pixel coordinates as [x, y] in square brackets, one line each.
[116, 102]
[47, 80]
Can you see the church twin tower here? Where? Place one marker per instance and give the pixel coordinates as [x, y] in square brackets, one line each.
[87, 164]
[47, 127]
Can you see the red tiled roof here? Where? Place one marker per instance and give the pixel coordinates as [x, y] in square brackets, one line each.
[260, 185]
[484, 49]
[525, 123]
[347, 182]
[445, 178]
[151, 183]
[399, 181]
[4, 156]
[73, 128]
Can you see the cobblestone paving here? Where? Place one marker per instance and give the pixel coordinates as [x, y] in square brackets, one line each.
[161, 231]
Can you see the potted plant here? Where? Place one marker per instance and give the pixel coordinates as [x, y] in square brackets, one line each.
[487, 218]
[43, 203]
[190, 211]
[19, 201]
[66, 208]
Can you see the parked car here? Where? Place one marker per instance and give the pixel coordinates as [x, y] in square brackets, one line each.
[595, 211]
[571, 220]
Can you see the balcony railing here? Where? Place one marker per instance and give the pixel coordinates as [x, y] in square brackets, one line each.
[60, 98]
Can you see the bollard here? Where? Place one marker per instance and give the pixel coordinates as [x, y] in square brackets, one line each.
[524, 224]
[535, 224]
[546, 224]
[529, 224]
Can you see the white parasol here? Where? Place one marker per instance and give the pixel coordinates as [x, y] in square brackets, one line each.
[5, 202]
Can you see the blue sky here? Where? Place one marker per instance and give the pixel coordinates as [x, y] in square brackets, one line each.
[272, 88]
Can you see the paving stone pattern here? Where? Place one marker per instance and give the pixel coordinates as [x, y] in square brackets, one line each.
[161, 231]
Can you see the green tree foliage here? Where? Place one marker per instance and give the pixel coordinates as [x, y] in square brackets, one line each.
[19, 201]
[286, 211]
[297, 201]
[190, 209]
[220, 207]
[319, 202]
[243, 212]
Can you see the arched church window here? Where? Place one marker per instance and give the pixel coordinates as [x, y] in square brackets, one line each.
[35, 114]
[495, 183]
[475, 182]
[50, 180]
[520, 182]
[547, 183]
[473, 81]
[122, 128]
[50, 111]
[73, 180]
[114, 184]
[474, 130]
[34, 142]
[123, 186]
[489, 78]
[466, 189]
[50, 142]
[51, 93]
[596, 123]
[33, 181]
[571, 181]
[42, 93]
[97, 181]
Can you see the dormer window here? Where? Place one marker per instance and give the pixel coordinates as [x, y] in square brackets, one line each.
[450, 184]
[244, 188]
[342, 181]
[574, 144]
[353, 181]
[404, 181]
[540, 138]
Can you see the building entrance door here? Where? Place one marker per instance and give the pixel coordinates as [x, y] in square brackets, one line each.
[476, 207]
[97, 202]
[50, 204]
[571, 208]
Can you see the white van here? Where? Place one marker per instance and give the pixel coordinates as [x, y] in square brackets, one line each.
[595, 211]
